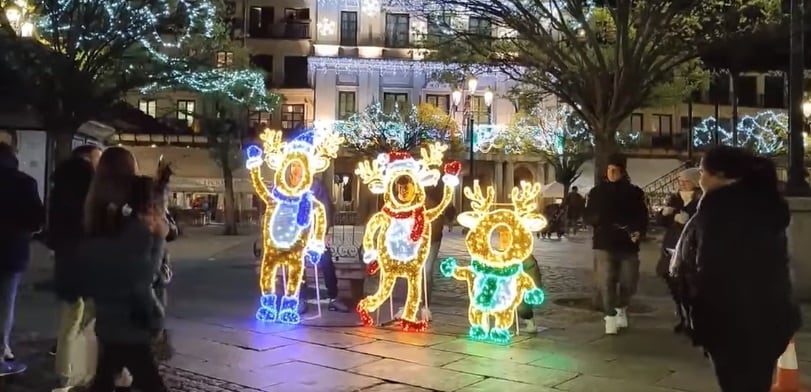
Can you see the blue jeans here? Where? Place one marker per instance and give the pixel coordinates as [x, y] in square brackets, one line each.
[8, 297]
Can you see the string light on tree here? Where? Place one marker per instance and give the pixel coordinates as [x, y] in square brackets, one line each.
[241, 86]
[118, 20]
[295, 222]
[764, 133]
[393, 67]
[496, 281]
[397, 238]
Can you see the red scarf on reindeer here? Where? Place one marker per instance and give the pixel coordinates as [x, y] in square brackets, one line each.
[419, 220]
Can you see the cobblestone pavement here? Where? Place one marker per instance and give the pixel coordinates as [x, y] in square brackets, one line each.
[220, 348]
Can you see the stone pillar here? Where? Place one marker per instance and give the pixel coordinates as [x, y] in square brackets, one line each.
[498, 180]
[509, 179]
[799, 231]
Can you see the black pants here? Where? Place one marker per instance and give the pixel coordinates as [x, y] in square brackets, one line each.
[137, 358]
[743, 371]
[327, 267]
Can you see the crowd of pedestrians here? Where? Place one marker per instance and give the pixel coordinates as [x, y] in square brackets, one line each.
[104, 220]
[723, 257]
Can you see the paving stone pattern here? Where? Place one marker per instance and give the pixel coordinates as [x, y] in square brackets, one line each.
[221, 348]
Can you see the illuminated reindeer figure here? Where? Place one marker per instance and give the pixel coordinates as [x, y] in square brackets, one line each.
[295, 222]
[397, 238]
[495, 278]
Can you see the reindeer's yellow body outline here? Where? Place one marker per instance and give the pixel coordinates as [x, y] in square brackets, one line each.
[381, 175]
[503, 266]
[313, 158]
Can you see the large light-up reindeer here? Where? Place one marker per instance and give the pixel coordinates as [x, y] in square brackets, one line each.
[295, 223]
[397, 238]
[496, 281]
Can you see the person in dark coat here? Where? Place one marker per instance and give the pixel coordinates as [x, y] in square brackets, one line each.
[21, 215]
[327, 264]
[124, 218]
[575, 203]
[71, 180]
[679, 208]
[618, 212]
[733, 264]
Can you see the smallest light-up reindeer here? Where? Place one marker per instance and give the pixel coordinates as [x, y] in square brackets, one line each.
[295, 222]
[496, 281]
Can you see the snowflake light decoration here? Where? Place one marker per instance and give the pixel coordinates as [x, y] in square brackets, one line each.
[326, 27]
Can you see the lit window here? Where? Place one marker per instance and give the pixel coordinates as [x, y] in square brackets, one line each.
[225, 59]
[185, 111]
[148, 106]
[292, 116]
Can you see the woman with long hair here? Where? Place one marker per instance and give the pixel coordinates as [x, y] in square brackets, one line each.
[125, 218]
[731, 263]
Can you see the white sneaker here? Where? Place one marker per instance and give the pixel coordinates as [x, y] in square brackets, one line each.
[530, 327]
[123, 379]
[426, 314]
[8, 355]
[399, 314]
[611, 325]
[622, 318]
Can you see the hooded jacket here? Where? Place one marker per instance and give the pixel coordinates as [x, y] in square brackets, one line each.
[21, 214]
[733, 266]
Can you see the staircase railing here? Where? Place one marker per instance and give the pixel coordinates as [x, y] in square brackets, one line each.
[657, 190]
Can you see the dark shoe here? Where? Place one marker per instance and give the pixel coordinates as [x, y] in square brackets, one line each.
[52, 352]
[337, 306]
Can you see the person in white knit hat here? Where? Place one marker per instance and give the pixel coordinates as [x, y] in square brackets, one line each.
[678, 210]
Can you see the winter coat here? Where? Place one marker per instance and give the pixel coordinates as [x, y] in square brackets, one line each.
[118, 273]
[575, 203]
[21, 214]
[616, 210]
[71, 182]
[673, 229]
[321, 194]
[732, 266]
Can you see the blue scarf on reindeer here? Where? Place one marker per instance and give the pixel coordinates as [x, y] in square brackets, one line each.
[304, 202]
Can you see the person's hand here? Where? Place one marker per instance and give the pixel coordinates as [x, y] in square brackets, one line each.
[635, 236]
[254, 157]
[668, 211]
[681, 218]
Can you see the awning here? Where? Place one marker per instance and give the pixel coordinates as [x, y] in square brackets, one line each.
[212, 185]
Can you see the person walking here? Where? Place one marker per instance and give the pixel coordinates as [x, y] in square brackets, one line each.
[71, 181]
[679, 208]
[124, 217]
[574, 204]
[732, 264]
[432, 200]
[618, 212]
[21, 215]
[162, 345]
[327, 264]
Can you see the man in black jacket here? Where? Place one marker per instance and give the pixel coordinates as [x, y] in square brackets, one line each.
[21, 215]
[71, 182]
[618, 212]
[326, 264]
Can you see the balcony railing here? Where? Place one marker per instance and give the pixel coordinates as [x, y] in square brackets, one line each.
[286, 30]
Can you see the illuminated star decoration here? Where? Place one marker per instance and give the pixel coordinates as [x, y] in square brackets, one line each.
[765, 133]
[495, 277]
[295, 223]
[370, 7]
[401, 250]
[326, 27]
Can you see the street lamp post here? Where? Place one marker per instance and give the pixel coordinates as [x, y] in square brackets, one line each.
[18, 18]
[797, 185]
[457, 97]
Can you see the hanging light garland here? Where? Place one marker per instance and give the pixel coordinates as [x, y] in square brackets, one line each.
[764, 133]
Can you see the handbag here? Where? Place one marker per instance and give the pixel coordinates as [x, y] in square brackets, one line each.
[84, 356]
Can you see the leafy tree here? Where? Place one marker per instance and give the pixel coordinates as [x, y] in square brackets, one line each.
[226, 94]
[559, 136]
[374, 130]
[87, 54]
[605, 59]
